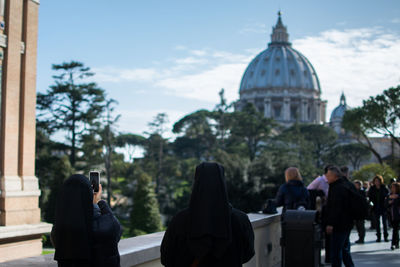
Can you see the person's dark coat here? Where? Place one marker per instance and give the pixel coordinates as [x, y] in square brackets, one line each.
[362, 193]
[393, 209]
[106, 234]
[377, 197]
[337, 208]
[84, 234]
[210, 232]
[292, 195]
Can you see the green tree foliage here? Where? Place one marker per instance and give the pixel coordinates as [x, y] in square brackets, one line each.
[250, 130]
[354, 121]
[130, 142]
[304, 146]
[382, 113]
[197, 138]
[52, 168]
[368, 172]
[350, 153]
[145, 216]
[71, 104]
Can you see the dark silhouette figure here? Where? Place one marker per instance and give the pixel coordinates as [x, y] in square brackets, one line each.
[85, 233]
[360, 224]
[338, 217]
[377, 194]
[393, 203]
[210, 232]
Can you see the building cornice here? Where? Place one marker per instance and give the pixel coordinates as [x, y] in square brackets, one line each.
[36, 1]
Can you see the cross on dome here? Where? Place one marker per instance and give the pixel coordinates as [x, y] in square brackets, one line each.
[279, 32]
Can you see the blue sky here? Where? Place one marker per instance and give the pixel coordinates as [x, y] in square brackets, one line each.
[174, 56]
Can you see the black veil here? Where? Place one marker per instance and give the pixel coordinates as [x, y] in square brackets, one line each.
[210, 212]
[74, 219]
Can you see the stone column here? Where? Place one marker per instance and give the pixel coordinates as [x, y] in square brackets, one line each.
[286, 109]
[19, 199]
[10, 182]
[318, 111]
[304, 109]
[267, 107]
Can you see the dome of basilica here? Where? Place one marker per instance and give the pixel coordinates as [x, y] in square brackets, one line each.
[338, 112]
[280, 66]
[281, 83]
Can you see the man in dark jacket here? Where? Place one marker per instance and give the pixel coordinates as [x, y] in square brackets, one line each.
[377, 194]
[339, 222]
[360, 224]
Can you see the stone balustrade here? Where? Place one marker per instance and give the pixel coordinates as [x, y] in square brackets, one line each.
[144, 251]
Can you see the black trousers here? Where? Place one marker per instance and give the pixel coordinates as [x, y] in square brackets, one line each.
[378, 224]
[360, 226]
[395, 238]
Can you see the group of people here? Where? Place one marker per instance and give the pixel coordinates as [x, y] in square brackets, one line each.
[210, 232]
[385, 208]
[335, 190]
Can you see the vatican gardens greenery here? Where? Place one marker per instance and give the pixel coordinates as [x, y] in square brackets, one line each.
[146, 192]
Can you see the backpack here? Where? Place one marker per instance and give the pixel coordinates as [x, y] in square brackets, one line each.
[358, 205]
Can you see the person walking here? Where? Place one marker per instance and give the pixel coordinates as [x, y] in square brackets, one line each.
[321, 183]
[360, 224]
[338, 219]
[293, 194]
[393, 202]
[377, 194]
[210, 232]
[85, 232]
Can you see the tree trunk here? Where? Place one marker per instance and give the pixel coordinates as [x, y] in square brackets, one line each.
[160, 156]
[371, 148]
[73, 145]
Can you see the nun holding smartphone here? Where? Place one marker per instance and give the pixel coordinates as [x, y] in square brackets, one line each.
[85, 233]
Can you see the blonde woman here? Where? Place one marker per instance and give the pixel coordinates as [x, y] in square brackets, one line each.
[293, 194]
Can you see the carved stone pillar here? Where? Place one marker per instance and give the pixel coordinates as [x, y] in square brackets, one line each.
[304, 110]
[19, 198]
[318, 111]
[286, 109]
[267, 108]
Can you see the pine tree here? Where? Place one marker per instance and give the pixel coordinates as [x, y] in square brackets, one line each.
[71, 104]
[145, 215]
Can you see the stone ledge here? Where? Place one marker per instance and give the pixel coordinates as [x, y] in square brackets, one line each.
[15, 231]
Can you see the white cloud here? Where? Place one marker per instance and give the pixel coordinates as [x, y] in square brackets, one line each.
[205, 85]
[198, 76]
[396, 20]
[112, 74]
[360, 62]
[190, 61]
[254, 27]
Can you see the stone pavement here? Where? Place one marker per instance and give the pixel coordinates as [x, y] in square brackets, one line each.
[371, 253]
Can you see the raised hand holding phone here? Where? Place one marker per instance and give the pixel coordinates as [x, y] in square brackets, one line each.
[94, 177]
[97, 195]
[95, 180]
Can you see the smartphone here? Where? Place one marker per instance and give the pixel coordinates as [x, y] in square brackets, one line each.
[95, 180]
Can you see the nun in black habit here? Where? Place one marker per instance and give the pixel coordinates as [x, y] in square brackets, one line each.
[85, 233]
[210, 232]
